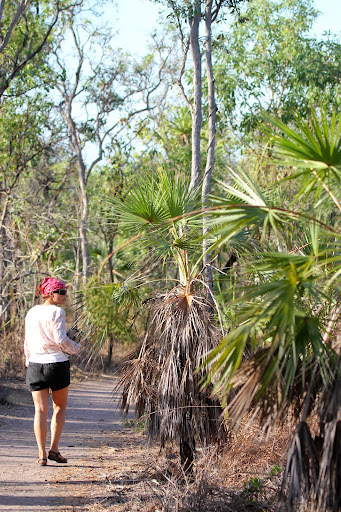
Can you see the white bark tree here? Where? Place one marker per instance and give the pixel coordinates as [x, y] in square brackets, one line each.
[192, 13]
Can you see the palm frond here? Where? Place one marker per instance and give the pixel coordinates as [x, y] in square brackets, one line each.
[140, 207]
[245, 209]
[244, 189]
[125, 294]
[316, 144]
[278, 317]
[315, 149]
[177, 196]
[154, 200]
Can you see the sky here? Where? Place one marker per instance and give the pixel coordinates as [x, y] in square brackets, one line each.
[330, 19]
[135, 20]
[138, 18]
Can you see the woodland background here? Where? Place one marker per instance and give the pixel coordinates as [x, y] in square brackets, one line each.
[190, 198]
[81, 119]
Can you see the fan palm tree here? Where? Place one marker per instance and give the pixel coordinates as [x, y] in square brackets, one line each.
[162, 380]
[283, 352]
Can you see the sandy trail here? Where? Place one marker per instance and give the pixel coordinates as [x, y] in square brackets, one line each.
[93, 422]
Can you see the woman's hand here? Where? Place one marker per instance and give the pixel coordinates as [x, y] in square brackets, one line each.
[74, 334]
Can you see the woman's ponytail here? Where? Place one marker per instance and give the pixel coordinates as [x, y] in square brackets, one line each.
[38, 290]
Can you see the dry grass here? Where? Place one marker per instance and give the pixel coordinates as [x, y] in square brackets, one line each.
[12, 360]
[249, 454]
[244, 476]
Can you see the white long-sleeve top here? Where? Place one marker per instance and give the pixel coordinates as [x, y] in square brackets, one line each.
[46, 340]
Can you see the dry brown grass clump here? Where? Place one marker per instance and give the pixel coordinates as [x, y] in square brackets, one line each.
[245, 476]
[251, 454]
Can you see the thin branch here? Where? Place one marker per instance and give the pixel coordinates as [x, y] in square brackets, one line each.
[4, 212]
[184, 48]
[20, 66]
[299, 248]
[136, 237]
[328, 190]
[182, 70]
[216, 11]
[79, 67]
[48, 247]
[14, 21]
[2, 6]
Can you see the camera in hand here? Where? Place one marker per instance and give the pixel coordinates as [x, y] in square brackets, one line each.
[74, 334]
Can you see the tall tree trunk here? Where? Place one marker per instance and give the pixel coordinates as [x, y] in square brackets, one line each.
[3, 265]
[111, 339]
[212, 109]
[76, 251]
[194, 22]
[110, 352]
[2, 247]
[83, 228]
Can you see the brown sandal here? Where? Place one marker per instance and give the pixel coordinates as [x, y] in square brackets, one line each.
[42, 462]
[57, 457]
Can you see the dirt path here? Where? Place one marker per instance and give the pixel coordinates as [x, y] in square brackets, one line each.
[93, 427]
[110, 467]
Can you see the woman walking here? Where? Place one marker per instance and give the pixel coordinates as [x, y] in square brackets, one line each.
[46, 345]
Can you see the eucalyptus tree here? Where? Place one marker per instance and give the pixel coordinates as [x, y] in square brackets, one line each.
[31, 140]
[273, 62]
[102, 90]
[192, 13]
[26, 33]
[282, 354]
[30, 135]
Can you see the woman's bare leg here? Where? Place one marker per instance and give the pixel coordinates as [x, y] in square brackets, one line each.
[41, 405]
[58, 418]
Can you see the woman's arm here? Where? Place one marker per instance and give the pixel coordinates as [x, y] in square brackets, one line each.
[60, 337]
[26, 351]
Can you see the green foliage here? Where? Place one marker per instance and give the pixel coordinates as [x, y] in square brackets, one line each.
[106, 315]
[317, 144]
[275, 471]
[155, 210]
[270, 62]
[23, 60]
[136, 425]
[313, 150]
[281, 320]
[255, 484]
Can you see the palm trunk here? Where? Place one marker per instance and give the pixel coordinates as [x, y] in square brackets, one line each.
[187, 450]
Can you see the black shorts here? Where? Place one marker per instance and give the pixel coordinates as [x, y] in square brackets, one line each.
[48, 375]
